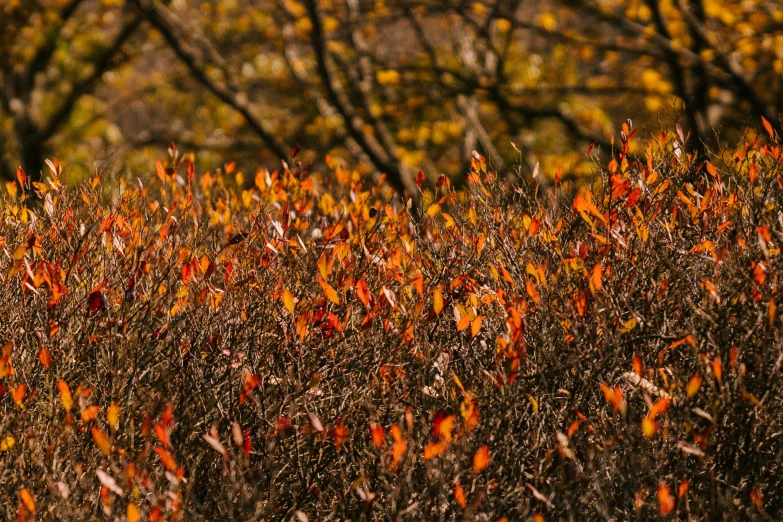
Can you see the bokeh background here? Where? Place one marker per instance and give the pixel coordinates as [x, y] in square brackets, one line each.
[395, 86]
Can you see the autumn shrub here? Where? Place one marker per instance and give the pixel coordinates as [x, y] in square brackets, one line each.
[306, 349]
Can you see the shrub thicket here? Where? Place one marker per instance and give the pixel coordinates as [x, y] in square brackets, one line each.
[304, 349]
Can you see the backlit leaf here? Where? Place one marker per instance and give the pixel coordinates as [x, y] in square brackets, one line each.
[694, 384]
[665, 499]
[377, 433]
[102, 441]
[329, 292]
[113, 416]
[288, 301]
[27, 500]
[65, 395]
[768, 127]
[481, 459]
[400, 446]
[459, 496]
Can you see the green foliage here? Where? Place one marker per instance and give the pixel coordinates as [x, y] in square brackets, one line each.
[304, 349]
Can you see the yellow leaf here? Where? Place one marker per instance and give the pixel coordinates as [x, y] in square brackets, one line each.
[329, 292]
[65, 395]
[113, 416]
[288, 301]
[547, 21]
[132, 513]
[7, 443]
[437, 300]
[649, 427]
[628, 325]
[388, 77]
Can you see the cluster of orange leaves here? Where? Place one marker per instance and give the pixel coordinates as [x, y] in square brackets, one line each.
[341, 302]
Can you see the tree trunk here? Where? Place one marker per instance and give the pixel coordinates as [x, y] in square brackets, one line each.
[31, 147]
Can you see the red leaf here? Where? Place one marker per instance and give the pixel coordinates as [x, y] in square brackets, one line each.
[420, 179]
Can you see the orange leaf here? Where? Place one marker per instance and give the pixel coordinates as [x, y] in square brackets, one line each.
[329, 291]
[717, 369]
[660, 406]
[459, 496]
[113, 416]
[377, 433]
[444, 426]
[166, 458]
[753, 173]
[687, 339]
[475, 326]
[481, 459]
[102, 441]
[132, 513]
[65, 395]
[596, 278]
[756, 498]
[532, 291]
[45, 358]
[682, 489]
[433, 449]
[638, 365]
[768, 127]
[160, 433]
[160, 171]
[288, 301]
[18, 395]
[582, 205]
[665, 499]
[27, 500]
[186, 273]
[649, 427]
[339, 434]
[251, 382]
[363, 292]
[582, 303]
[400, 446]
[21, 177]
[90, 413]
[693, 385]
[613, 396]
[463, 323]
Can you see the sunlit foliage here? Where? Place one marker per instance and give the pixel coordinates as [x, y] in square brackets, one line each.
[303, 349]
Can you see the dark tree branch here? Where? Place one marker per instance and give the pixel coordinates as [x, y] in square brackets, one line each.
[197, 65]
[353, 123]
[104, 62]
[43, 54]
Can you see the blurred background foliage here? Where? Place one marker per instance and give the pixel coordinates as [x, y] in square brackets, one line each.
[401, 86]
